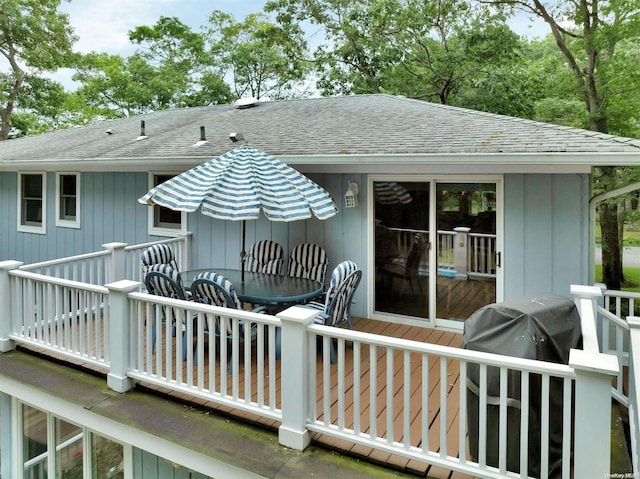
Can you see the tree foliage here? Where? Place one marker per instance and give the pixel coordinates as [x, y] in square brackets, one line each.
[35, 38]
[170, 69]
[260, 58]
[422, 49]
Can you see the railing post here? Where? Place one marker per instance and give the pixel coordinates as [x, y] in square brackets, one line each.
[120, 334]
[592, 429]
[634, 389]
[117, 265]
[6, 314]
[461, 251]
[586, 300]
[185, 260]
[293, 432]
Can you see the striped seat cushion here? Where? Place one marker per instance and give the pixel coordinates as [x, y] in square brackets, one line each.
[265, 256]
[216, 290]
[308, 261]
[158, 254]
[166, 282]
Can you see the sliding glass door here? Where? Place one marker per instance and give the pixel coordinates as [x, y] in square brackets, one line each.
[401, 247]
[436, 248]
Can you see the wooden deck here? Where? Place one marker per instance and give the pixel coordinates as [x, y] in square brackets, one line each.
[434, 336]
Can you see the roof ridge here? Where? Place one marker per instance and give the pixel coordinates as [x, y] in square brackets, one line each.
[549, 126]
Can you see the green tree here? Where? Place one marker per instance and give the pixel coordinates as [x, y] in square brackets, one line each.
[260, 58]
[170, 69]
[118, 86]
[36, 38]
[175, 50]
[41, 107]
[592, 37]
[421, 49]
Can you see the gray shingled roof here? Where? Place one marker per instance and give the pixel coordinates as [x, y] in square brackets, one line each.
[375, 125]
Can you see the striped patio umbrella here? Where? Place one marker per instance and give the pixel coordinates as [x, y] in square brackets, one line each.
[391, 193]
[240, 184]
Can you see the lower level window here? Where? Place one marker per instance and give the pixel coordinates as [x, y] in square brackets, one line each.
[77, 453]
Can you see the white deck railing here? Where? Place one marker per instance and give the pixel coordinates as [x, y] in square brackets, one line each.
[190, 327]
[133, 253]
[58, 314]
[116, 261]
[425, 368]
[621, 338]
[92, 268]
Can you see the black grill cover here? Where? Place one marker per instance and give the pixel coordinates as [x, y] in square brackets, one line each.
[543, 327]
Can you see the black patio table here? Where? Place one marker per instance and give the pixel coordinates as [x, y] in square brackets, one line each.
[264, 289]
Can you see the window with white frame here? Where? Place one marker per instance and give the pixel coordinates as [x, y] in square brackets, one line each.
[53, 448]
[163, 221]
[31, 202]
[68, 200]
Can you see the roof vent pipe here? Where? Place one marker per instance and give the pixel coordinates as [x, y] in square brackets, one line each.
[202, 137]
[142, 133]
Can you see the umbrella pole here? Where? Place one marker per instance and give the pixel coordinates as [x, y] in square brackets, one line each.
[243, 253]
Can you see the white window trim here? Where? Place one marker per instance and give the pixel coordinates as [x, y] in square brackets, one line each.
[28, 228]
[62, 222]
[154, 230]
[17, 452]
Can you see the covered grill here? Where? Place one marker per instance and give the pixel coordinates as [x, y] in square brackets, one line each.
[543, 327]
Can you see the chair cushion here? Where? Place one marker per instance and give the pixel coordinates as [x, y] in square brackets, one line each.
[211, 290]
[265, 256]
[158, 254]
[338, 275]
[308, 261]
[158, 284]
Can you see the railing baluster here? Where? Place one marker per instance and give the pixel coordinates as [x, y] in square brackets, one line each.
[482, 418]
[373, 393]
[390, 392]
[425, 406]
[406, 409]
[524, 423]
[544, 429]
[502, 432]
[567, 427]
[462, 411]
[357, 357]
[341, 386]
[444, 392]
[326, 381]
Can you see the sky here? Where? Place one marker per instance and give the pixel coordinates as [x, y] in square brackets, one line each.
[104, 26]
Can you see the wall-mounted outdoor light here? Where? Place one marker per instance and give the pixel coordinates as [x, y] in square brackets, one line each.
[351, 196]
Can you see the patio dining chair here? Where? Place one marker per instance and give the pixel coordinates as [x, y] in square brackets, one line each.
[308, 260]
[157, 254]
[338, 309]
[265, 256]
[164, 280]
[214, 289]
[338, 275]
